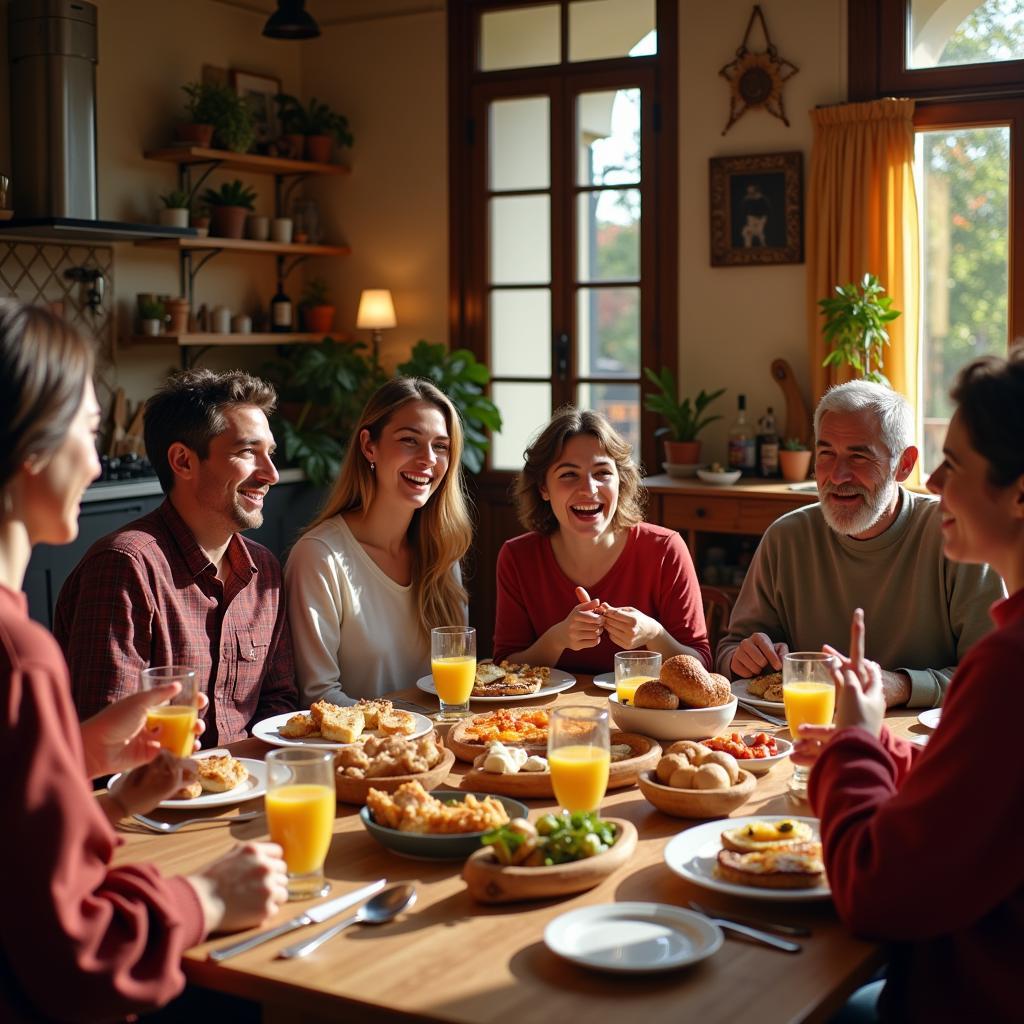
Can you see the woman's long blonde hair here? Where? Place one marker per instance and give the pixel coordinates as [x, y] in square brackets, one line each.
[441, 531]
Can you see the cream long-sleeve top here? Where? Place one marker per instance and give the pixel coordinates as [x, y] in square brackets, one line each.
[354, 629]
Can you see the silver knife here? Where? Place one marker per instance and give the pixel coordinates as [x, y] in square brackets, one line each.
[315, 915]
[796, 930]
[758, 713]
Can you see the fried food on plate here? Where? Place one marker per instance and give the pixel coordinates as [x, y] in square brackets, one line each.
[766, 687]
[340, 725]
[795, 867]
[767, 835]
[412, 809]
[387, 756]
[508, 679]
[189, 792]
[300, 726]
[220, 773]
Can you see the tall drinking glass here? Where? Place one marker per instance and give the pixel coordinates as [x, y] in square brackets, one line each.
[632, 668]
[579, 756]
[453, 666]
[300, 806]
[809, 696]
[174, 720]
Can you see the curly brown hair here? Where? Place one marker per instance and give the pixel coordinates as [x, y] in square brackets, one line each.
[534, 512]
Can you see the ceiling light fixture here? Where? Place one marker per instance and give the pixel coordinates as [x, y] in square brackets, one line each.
[291, 21]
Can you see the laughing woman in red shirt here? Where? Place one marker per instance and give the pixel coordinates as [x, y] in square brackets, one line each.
[922, 847]
[591, 578]
[79, 939]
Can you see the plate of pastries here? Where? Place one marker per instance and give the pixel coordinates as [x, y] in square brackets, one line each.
[221, 780]
[763, 691]
[330, 726]
[386, 763]
[506, 681]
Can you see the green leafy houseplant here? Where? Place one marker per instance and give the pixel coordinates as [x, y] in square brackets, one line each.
[462, 379]
[793, 444]
[218, 105]
[685, 420]
[151, 309]
[316, 293]
[231, 193]
[176, 200]
[855, 327]
[316, 118]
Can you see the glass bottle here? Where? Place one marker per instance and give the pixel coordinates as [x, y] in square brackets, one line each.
[742, 444]
[767, 446]
[281, 315]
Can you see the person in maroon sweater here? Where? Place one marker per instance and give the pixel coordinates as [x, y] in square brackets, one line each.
[922, 847]
[79, 939]
[590, 578]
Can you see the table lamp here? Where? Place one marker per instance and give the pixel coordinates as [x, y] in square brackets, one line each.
[376, 313]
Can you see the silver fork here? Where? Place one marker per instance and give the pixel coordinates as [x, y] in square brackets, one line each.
[758, 713]
[166, 826]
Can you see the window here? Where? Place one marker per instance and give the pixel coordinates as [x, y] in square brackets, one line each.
[956, 32]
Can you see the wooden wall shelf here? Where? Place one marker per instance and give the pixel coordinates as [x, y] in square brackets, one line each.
[245, 245]
[226, 160]
[210, 338]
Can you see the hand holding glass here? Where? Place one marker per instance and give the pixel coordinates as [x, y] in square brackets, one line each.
[300, 806]
[633, 668]
[174, 721]
[809, 696]
[579, 756]
[453, 665]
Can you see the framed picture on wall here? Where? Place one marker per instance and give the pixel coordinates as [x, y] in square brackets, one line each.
[259, 92]
[757, 213]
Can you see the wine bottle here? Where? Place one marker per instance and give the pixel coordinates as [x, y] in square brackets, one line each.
[281, 315]
[767, 446]
[742, 445]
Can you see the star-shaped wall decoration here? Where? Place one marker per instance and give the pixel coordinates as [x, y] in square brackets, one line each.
[756, 79]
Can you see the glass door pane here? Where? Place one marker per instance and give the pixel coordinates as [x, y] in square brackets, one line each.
[600, 29]
[619, 404]
[525, 408]
[523, 37]
[520, 230]
[518, 140]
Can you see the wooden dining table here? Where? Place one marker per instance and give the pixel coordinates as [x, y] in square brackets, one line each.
[454, 960]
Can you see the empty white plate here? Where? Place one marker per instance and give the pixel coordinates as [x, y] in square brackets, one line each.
[628, 938]
[930, 718]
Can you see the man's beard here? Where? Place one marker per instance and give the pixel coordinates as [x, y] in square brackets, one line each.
[862, 517]
[245, 518]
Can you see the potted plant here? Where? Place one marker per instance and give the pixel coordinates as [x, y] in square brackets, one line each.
[229, 206]
[151, 314]
[316, 122]
[317, 311]
[855, 320]
[201, 221]
[794, 460]
[176, 209]
[224, 111]
[685, 419]
[198, 129]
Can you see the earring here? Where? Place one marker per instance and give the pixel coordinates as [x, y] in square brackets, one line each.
[373, 467]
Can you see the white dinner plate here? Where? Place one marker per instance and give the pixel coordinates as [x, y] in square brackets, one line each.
[739, 689]
[606, 681]
[930, 718]
[557, 682]
[628, 938]
[255, 785]
[693, 854]
[267, 730]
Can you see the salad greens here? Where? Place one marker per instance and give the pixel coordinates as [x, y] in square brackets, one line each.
[555, 839]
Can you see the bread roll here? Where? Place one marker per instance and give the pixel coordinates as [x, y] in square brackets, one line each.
[683, 778]
[726, 761]
[693, 751]
[711, 776]
[667, 765]
[653, 695]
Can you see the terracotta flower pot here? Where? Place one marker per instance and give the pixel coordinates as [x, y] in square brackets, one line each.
[178, 312]
[318, 319]
[794, 465]
[195, 134]
[318, 148]
[228, 221]
[682, 453]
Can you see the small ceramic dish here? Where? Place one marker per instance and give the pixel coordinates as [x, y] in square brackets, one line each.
[683, 724]
[763, 765]
[433, 846]
[722, 479]
[353, 791]
[697, 803]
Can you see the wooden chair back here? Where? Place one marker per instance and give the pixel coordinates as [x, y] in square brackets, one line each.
[717, 609]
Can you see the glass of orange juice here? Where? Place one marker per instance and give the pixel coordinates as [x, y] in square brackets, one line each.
[633, 668]
[453, 665]
[174, 721]
[579, 756]
[809, 696]
[300, 804]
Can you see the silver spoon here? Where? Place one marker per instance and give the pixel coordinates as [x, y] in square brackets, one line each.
[384, 907]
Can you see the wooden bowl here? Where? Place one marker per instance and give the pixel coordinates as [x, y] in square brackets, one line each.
[491, 882]
[466, 751]
[537, 785]
[353, 791]
[697, 803]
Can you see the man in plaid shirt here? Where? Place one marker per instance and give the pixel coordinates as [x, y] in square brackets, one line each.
[181, 585]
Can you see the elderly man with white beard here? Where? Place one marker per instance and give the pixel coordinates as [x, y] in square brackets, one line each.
[869, 543]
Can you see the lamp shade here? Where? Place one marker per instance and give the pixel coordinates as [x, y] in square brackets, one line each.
[376, 310]
[291, 21]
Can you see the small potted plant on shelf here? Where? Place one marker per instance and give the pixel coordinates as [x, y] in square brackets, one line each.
[151, 315]
[201, 221]
[229, 206]
[317, 123]
[685, 419]
[317, 311]
[794, 460]
[224, 111]
[176, 209]
[855, 322]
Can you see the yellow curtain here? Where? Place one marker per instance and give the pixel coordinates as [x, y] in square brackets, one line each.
[862, 218]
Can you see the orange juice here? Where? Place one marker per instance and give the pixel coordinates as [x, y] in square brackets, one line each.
[626, 688]
[301, 820]
[579, 775]
[453, 678]
[174, 724]
[808, 704]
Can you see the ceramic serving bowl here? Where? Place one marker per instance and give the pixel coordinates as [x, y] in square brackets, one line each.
[684, 724]
[729, 477]
[697, 803]
[428, 846]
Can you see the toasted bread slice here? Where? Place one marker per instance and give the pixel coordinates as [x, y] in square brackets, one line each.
[374, 710]
[767, 835]
[795, 867]
[396, 723]
[220, 773]
[760, 686]
[299, 726]
[341, 725]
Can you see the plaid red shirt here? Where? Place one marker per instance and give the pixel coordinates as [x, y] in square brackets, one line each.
[148, 595]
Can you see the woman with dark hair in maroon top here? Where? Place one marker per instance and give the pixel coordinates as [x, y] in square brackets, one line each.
[80, 940]
[922, 847]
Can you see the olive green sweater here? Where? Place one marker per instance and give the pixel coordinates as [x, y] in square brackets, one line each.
[921, 611]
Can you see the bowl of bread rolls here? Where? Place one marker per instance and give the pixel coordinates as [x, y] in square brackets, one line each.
[686, 702]
[691, 781]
